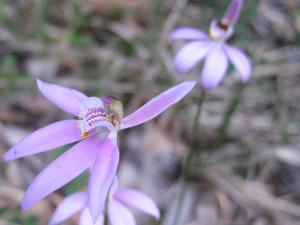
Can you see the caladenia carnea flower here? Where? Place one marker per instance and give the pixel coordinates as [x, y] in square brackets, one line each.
[96, 133]
[117, 208]
[213, 48]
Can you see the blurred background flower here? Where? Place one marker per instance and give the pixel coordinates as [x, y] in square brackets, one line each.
[120, 200]
[213, 48]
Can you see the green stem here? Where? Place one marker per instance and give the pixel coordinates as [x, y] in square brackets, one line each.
[105, 222]
[105, 219]
[193, 144]
[229, 113]
[189, 159]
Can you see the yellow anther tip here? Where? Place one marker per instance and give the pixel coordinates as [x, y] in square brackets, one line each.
[213, 35]
[84, 134]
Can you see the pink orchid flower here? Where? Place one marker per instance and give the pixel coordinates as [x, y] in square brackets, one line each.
[117, 208]
[96, 130]
[213, 48]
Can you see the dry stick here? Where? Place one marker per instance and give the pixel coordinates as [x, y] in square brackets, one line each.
[188, 163]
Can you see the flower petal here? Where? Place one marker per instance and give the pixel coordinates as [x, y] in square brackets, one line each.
[214, 68]
[190, 54]
[137, 200]
[102, 175]
[158, 104]
[52, 136]
[240, 61]
[62, 170]
[119, 215]
[232, 13]
[67, 99]
[188, 33]
[68, 207]
[86, 218]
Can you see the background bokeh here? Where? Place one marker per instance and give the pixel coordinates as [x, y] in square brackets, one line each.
[120, 47]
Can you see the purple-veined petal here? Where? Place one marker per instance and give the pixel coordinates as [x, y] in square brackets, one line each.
[102, 175]
[158, 104]
[190, 54]
[240, 61]
[119, 214]
[137, 200]
[187, 33]
[86, 218]
[214, 68]
[65, 98]
[52, 136]
[93, 114]
[89, 103]
[232, 13]
[68, 207]
[62, 170]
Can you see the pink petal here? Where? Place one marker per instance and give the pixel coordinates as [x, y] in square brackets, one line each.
[188, 33]
[137, 200]
[119, 215]
[102, 175]
[86, 218]
[67, 99]
[158, 104]
[62, 170]
[68, 207]
[190, 54]
[214, 69]
[52, 136]
[233, 11]
[240, 61]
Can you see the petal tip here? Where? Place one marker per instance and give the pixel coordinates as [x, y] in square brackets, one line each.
[7, 156]
[209, 86]
[191, 83]
[94, 216]
[156, 213]
[157, 216]
[28, 201]
[40, 83]
[11, 154]
[24, 204]
[247, 79]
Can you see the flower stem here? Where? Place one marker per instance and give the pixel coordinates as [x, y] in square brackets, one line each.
[229, 113]
[105, 222]
[188, 162]
[105, 219]
[193, 143]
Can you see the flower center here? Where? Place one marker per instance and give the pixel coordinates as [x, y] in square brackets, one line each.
[223, 26]
[93, 114]
[220, 31]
